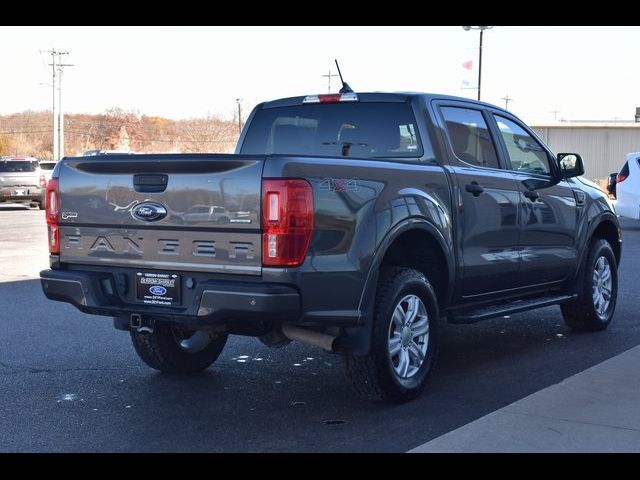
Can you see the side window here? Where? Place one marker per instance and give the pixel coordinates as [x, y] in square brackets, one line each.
[470, 137]
[525, 153]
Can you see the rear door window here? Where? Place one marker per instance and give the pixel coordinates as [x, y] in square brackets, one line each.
[363, 129]
[469, 136]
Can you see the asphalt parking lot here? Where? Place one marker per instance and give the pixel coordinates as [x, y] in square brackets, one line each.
[70, 382]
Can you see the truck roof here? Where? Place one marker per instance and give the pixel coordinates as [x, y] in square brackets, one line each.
[395, 97]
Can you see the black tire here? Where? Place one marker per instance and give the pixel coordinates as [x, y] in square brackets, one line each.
[41, 205]
[583, 315]
[161, 349]
[374, 376]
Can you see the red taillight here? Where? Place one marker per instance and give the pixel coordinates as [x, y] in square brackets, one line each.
[52, 203]
[620, 178]
[287, 221]
[43, 181]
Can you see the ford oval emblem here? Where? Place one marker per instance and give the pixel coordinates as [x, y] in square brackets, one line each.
[157, 290]
[149, 212]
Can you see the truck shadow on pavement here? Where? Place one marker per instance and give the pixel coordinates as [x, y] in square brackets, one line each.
[72, 383]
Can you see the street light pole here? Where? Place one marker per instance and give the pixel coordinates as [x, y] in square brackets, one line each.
[480, 64]
[482, 29]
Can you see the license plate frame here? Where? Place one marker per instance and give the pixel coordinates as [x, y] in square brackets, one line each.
[158, 288]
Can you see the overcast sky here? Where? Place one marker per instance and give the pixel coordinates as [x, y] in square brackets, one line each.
[182, 72]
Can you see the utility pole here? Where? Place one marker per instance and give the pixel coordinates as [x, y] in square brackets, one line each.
[555, 115]
[61, 110]
[329, 75]
[53, 54]
[507, 99]
[238, 100]
[58, 117]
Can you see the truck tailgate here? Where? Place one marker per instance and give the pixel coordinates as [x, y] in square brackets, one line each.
[186, 212]
[19, 179]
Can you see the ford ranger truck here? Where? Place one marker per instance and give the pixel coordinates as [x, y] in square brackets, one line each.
[357, 222]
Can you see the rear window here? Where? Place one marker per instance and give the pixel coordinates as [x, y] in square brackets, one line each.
[369, 130]
[18, 166]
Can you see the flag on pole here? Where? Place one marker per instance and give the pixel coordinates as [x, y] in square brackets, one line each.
[467, 68]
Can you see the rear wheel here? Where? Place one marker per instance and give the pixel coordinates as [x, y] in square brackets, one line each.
[403, 342]
[175, 349]
[594, 309]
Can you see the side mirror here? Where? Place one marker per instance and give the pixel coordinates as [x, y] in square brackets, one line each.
[570, 165]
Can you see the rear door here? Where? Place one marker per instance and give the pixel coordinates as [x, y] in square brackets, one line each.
[109, 206]
[487, 200]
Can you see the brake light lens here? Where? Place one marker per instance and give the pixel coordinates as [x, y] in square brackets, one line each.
[52, 210]
[287, 221]
[620, 178]
[331, 98]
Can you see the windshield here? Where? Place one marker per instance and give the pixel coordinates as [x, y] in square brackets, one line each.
[18, 166]
[369, 130]
[47, 166]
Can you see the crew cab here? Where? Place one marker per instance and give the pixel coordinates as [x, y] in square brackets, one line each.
[368, 219]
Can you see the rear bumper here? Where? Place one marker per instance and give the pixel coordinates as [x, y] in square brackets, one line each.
[209, 302]
[10, 194]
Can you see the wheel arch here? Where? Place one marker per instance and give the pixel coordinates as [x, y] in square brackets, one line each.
[608, 229]
[605, 226]
[398, 248]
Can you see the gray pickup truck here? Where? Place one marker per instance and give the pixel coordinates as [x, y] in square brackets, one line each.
[367, 219]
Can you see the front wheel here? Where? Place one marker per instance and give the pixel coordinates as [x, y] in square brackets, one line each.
[175, 349]
[594, 309]
[403, 341]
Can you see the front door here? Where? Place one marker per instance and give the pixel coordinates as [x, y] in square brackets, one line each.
[487, 198]
[548, 215]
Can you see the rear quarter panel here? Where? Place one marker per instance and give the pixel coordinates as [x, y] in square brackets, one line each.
[357, 204]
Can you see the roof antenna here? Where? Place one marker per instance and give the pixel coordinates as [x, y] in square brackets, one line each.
[345, 86]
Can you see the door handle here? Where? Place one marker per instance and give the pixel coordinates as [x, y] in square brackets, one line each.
[531, 195]
[150, 182]
[474, 189]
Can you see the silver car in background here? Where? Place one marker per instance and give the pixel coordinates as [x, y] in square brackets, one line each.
[22, 181]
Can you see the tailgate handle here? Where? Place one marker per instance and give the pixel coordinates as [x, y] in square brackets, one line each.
[150, 182]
